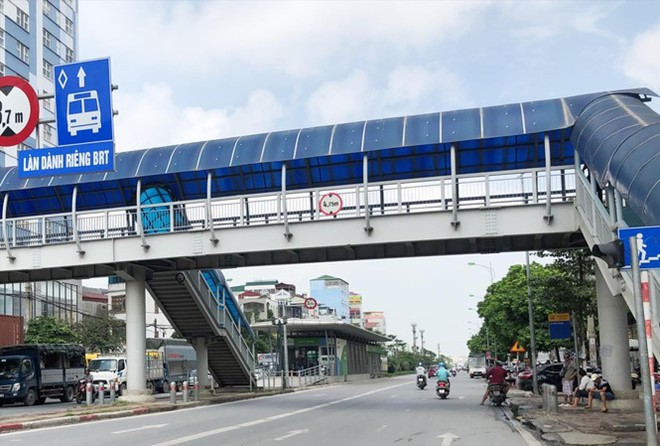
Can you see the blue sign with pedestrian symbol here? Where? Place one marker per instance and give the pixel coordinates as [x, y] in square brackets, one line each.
[83, 112]
[648, 245]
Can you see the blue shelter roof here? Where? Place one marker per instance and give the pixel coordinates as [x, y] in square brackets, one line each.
[487, 139]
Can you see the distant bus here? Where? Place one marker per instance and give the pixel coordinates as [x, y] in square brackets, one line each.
[83, 112]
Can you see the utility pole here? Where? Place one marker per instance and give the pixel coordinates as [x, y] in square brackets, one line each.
[414, 330]
[421, 333]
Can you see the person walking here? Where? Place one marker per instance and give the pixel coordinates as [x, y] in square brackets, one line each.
[568, 374]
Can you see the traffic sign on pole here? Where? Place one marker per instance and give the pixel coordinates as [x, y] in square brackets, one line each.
[648, 246]
[19, 110]
[83, 112]
[517, 348]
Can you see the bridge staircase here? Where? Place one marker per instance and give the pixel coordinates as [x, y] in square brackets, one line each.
[599, 225]
[198, 304]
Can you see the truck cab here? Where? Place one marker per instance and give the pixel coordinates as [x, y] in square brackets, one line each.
[109, 371]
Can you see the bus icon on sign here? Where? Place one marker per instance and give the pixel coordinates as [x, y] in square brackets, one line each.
[83, 112]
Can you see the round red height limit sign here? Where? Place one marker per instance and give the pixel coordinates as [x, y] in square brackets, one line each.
[330, 204]
[310, 303]
[19, 110]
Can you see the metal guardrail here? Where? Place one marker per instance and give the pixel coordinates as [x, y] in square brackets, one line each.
[297, 378]
[473, 191]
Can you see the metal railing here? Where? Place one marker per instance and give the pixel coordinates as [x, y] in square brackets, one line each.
[270, 380]
[510, 188]
[599, 224]
[216, 305]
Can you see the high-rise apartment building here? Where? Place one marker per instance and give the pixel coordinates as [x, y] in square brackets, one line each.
[35, 36]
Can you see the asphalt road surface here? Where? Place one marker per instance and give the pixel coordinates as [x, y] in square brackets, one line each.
[372, 412]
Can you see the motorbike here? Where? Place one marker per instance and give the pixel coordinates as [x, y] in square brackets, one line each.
[421, 382]
[442, 389]
[497, 393]
[81, 391]
[453, 372]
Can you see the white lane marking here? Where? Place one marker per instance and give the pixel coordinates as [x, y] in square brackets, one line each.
[152, 426]
[381, 428]
[292, 433]
[447, 438]
[271, 418]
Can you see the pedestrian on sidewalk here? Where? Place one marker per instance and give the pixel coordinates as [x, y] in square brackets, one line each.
[601, 391]
[582, 390]
[568, 374]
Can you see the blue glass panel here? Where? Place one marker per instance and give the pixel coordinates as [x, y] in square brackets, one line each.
[185, 157]
[280, 146]
[383, 134]
[12, 182]
[84, 179]
[576, 104]
[347, 138]
[155, 161]
[461, 125]
[544, 115]
[126, 164]
[314, 142]
[216, 154]
[423, 129]
[248, 149]
[502, 120]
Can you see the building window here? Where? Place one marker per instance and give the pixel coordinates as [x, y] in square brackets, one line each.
[46, 6]
[2, 70]
[22, 19]
[48, 133]
[68, 26]
[23, 53]
[118, 304]
[69, 54]
[2, 5]
[48, 70]
[47, 39]
[47, 102]
[2, 38]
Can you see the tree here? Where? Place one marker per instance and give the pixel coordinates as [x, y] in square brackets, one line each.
[104, 334]
[505, 308]
[48, 330]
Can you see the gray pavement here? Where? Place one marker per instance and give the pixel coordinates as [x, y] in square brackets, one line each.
[571, 426]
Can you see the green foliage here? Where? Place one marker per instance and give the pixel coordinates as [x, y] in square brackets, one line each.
[48, 330]
[564, 286]
[401, 359]
[105, 334]
[264, 341]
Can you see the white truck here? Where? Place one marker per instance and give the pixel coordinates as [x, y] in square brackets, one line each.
[477, 365]
[113, 370]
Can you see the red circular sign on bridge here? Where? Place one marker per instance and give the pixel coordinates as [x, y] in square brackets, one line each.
[330, 204]
[19, 110]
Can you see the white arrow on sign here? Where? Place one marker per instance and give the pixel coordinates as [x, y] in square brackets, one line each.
[292, 433]
[152, 426]
[81, 77]
[447, 438]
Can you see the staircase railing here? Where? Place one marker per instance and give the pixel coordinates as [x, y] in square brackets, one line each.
[216, 303]
[602, 228]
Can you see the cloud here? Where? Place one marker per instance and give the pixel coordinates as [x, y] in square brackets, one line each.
[151, 118]
[640, 62]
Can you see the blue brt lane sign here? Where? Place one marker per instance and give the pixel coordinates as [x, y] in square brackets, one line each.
[648, 245]
[83, 103]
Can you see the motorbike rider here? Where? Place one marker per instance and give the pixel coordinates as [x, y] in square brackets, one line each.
[421, 371]
[442, 374]
[88, 376]
[496, 376]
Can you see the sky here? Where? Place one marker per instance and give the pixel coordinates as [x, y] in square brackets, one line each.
[197, 70]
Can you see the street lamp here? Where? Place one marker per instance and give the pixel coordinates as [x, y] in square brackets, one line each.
[281, 322]
[485, 325]
[489, 267]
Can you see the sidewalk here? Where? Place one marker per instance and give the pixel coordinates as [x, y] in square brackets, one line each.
[579, 426]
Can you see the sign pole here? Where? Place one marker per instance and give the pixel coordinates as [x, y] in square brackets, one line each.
[532, 342]
[649, 416]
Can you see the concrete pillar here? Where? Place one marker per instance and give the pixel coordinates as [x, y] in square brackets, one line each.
[202, 363]
[136, 343]
[613, 334]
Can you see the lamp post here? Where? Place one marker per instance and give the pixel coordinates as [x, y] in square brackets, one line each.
[489, 267]
[281, 322]
[530, 311]
[485, 325]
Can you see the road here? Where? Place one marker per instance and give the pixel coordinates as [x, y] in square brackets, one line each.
[372, 412]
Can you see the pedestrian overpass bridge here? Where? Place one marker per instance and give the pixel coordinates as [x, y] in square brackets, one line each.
[538, 175]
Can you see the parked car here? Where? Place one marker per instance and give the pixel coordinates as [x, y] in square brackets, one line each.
[432, 371]
[545, 374]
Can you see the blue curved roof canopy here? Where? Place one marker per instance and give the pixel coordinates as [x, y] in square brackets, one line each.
[618, 138]
[488, 139]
